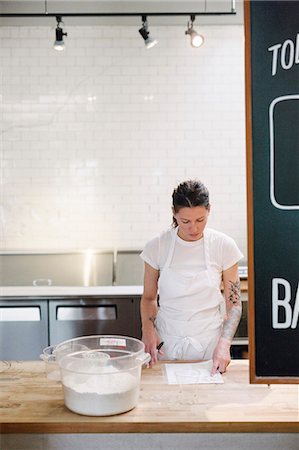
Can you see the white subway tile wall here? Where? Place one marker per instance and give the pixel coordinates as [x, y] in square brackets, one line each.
[95, 138]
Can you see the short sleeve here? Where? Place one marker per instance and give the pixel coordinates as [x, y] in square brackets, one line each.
[150, 253]
[230, 253]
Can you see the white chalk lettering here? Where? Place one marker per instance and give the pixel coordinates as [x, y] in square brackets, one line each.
[287, 47]
[281, 303]
[296, 310]
[297, 50]
[274, 49]
[283, 287]
[288, 56]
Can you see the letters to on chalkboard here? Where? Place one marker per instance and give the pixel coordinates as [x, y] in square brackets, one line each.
[286, 53]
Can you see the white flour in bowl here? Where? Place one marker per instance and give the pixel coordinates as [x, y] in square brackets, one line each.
[102, 394]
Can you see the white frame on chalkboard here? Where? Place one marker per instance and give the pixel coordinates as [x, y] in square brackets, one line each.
[272, 149]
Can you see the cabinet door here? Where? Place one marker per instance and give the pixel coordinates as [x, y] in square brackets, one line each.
[23, 329]
[241, 336]
[239, 348]
[81, 317]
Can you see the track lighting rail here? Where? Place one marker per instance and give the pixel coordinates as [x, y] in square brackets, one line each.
[196, 39]
[148, 14]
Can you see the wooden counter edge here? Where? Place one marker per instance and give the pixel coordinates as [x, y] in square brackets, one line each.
[154, 427]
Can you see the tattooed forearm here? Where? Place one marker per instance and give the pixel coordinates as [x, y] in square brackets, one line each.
[231, 324]
[153, 320]
[234, 292]
[234, 312]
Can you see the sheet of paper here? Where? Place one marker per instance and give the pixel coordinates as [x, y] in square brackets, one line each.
[192, 373]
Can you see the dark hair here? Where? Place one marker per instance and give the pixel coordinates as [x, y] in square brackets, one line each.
[188, 194]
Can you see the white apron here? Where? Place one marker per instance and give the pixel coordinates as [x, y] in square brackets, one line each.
[189, 320]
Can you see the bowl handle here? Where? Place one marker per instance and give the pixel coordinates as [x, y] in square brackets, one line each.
[49, 358]
[145, 358]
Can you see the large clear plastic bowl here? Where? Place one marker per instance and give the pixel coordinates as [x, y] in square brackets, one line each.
[101, 374]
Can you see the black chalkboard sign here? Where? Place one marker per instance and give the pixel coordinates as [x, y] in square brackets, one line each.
[272, 67]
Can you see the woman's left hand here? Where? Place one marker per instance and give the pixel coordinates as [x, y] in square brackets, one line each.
[221, 356]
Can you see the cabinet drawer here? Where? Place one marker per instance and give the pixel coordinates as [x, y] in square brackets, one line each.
[23, 329]
[87, 316]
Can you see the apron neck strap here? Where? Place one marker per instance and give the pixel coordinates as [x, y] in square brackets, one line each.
[206, 245]
[174, 233]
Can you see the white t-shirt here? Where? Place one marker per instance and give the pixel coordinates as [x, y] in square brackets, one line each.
[188, 256]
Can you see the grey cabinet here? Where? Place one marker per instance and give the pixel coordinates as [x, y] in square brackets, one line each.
[23, 329]
[241, 336]
[29, 325]
[239, 348]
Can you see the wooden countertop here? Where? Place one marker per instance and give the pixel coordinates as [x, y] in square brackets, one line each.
[31, 403]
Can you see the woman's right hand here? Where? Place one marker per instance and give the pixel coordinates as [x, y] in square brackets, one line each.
[151, 340]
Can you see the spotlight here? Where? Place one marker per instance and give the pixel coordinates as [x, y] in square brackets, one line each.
[148, 40]
[196, 39]
[59, 43]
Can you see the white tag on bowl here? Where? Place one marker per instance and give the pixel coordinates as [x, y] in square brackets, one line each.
[113, 341]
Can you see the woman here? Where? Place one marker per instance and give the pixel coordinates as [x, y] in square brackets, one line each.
[186, 266]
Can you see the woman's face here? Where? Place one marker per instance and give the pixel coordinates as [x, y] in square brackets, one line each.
[191, 222]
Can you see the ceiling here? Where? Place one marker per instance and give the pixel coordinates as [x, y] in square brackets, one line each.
[120, 7]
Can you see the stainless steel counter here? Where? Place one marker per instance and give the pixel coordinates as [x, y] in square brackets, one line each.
[68, 291]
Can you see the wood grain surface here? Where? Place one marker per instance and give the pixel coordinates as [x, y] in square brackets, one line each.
[31, 403]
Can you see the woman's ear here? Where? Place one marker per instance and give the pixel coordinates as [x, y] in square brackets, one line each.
[209, 208]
